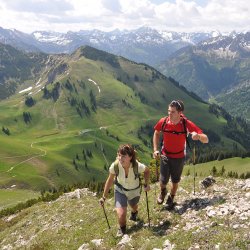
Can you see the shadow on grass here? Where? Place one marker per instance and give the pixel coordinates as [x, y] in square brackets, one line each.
[136, 227]
[158, 230]
[197, 204]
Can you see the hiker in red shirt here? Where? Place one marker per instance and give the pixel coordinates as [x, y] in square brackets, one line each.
[175, 129]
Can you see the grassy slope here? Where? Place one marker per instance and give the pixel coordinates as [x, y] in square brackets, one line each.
[239, 165]
[237, 101]
[57, 133]
[10, 197]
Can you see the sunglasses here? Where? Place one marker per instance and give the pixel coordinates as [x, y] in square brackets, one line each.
[176, 104]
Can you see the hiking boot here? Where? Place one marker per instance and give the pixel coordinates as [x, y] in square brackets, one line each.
[170, 202]
[162, 196]
[121, 231]
[133, 216]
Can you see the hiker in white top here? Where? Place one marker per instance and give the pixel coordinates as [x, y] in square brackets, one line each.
[125, 174]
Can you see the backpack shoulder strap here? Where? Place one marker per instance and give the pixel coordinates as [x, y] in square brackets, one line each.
[137, 174]
[116, 167]
[135, 169]
[164, 123]
[184, 121]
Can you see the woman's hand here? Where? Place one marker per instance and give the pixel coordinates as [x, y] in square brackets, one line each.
[146, 187]
[102, 200]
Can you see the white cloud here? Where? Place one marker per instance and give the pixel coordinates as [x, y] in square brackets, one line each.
[180, 15]
[39, 6]
[64, 15]
[112, 5]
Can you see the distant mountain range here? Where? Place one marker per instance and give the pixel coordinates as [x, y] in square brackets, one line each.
[143, 45]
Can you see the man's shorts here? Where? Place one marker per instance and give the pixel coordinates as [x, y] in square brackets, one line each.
[121, 200]
[171, 167]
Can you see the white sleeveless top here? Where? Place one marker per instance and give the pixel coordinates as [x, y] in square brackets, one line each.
[130, 182]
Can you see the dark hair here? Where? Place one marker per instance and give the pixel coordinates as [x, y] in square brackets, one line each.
[178, 104]
[127, 149]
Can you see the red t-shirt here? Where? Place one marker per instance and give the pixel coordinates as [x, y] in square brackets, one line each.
[173, 142]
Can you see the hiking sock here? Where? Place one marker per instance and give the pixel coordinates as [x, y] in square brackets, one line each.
[121, 231]
[170, 201]
[162, 196]
[133, 215]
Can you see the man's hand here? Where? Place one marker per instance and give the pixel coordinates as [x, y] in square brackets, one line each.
[195, 136]
[156, 154]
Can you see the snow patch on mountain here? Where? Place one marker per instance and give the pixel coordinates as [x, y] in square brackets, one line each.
[99, 90]
[56, 38]
[245, 45]
[37, 83]
[143, 35]
[25, 90]
[213, 41]
[215, 34]
[94, 40]
[168, 36]
[224, 53]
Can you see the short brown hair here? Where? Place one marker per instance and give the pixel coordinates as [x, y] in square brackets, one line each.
[127, 149]
[178, 104]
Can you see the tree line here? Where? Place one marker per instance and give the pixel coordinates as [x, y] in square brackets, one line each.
[51, 194]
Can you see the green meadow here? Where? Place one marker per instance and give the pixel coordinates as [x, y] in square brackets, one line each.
[237, 164]
[10, 197]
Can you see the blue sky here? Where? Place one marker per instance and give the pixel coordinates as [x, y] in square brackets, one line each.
[107, 15]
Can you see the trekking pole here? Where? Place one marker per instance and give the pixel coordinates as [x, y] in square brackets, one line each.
[157, 168]
[194, 165]
[147, 208]
[156, 174]
[106, 216]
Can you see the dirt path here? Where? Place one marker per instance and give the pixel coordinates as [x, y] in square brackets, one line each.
[99, 90]
[43, 153]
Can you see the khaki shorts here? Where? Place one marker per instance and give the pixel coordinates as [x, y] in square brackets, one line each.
[121, 200]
